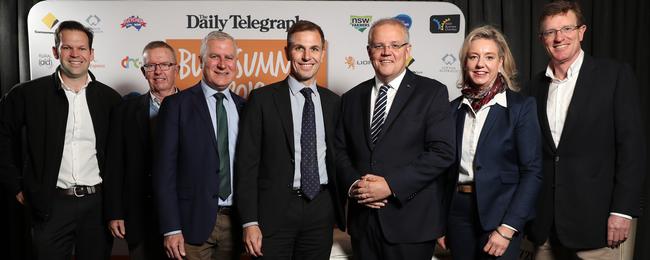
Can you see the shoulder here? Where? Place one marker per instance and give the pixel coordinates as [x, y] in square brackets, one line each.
[424, 83]
[33, 86]
[106, 92]
[359, 88]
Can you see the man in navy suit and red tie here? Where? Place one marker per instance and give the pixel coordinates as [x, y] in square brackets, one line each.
[593, 145]
[395, 141]
[193, 166]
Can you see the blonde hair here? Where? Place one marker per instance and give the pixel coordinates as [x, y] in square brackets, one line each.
[509, 68]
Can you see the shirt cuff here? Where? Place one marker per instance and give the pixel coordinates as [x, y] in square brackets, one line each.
[172, 233]
[350, 189]
[509, 227]
[252, 223]
[621, 215]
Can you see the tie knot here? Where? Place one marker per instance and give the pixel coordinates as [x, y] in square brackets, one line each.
[219, 96]
[384, 88]
[306, 92]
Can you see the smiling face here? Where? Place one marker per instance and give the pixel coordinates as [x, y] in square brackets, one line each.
[161, 81]
[388, 63]
[75, 54]
[305, 52]
[483, 62]
[219, 63]
[562, 48]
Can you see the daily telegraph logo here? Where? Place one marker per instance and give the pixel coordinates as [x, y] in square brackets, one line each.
[238, 22]
[361, 23]
[445, 23]
[133, 21]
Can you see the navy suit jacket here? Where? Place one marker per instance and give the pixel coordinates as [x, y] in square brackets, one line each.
[186, 166]
[507, 163]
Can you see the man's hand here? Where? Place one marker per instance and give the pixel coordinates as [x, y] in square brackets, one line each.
[253, 240]
[116, 227]
[371, 188]
[175, 246]
[442, 242]
[618, 228]
[497, 244]
[20, 198]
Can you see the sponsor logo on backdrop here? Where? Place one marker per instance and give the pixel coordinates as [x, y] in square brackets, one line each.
[353, 62]
[260, 62]
[239, 22]
[445, 23]
[406, 19]
[97, 65]
[133, 22]
[130, 63]
[361, 23]
[49, 20]
[45, 61]
[449, 63]
[93, 22]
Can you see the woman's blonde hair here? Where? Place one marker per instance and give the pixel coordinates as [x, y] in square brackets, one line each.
[488, 32]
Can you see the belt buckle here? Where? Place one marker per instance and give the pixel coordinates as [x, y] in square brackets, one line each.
[74, 191]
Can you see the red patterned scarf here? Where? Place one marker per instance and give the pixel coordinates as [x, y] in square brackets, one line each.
[479, 97]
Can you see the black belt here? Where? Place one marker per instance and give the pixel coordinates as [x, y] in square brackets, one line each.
[299, 192]
[80, 191]
[224, 210]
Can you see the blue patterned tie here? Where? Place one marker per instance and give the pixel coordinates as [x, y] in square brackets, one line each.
[222, 148]
[309, 181]
[379, 115]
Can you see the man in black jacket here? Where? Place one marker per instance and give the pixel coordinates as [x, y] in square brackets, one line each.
[58, 172]
[129, 204]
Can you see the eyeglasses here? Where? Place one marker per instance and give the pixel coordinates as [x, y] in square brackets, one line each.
[393, 46]
[565, 30]
[162, 66]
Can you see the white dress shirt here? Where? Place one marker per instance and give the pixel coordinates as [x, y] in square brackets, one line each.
[79, 164]
[393, 85]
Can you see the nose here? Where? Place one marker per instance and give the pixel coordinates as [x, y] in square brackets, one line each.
[306, 55]
[480, 63]
[558, 36]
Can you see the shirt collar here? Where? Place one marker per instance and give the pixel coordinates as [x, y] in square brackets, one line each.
[155, 100]
[574, 69]
[208, 91]
[64, 86]
[295, 86]
[394, 84]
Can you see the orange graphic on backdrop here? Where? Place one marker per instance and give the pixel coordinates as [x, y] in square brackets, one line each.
[260, 62]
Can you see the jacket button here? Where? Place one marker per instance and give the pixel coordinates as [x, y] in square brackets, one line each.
[293, 161]
[556, 158]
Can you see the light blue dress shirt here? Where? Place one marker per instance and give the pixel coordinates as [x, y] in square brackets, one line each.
[297, 104]
[233, 126]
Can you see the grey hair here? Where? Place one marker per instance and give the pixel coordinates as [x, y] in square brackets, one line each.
[391, 21]
[215, 35]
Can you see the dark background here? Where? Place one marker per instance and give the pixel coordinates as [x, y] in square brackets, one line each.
[616, 29]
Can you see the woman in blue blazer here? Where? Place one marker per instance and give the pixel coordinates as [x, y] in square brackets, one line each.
[497, 174]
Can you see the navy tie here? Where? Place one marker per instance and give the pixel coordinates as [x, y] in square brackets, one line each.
[379, 115]
[309, 180]
[222, 146]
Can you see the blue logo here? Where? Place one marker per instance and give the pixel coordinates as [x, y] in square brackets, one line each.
[406, 19]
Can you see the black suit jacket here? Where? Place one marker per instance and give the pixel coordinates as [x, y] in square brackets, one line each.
[36, 112]
[598, 166]
[186, 165]
[265, 156]
[128, 190]
[413, 152]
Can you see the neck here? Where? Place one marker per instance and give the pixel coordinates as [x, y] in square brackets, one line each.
[74, 83]
[161, 94]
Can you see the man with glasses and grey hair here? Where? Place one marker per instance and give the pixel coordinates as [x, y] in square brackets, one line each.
[128, 201]
[593, 145]
[192, 176]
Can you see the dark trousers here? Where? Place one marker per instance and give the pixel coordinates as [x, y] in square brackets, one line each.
[74, 222]
[306, 232]
[371, 244]
[151, 245]
[465, 236]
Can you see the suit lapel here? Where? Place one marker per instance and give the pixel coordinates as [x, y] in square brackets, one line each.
[201, 106]
[365, 110]
[579, 99]
[461, 112]
[497, 113]
[142, 117]
[283, 106]
[542, 98]
[403, 94]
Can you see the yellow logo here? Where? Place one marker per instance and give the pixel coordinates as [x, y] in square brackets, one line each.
[50, 20]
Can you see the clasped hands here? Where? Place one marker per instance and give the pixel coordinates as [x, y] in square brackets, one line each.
[371, 191]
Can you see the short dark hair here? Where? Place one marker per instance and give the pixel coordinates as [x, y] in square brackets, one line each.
[304, 25]
[159, 44]
[73, 26]
[561, 7]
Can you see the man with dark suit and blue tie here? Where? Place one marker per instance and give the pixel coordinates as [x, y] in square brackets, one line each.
[286, 180]
[394, 142]
[128, 200]
[193, 167]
